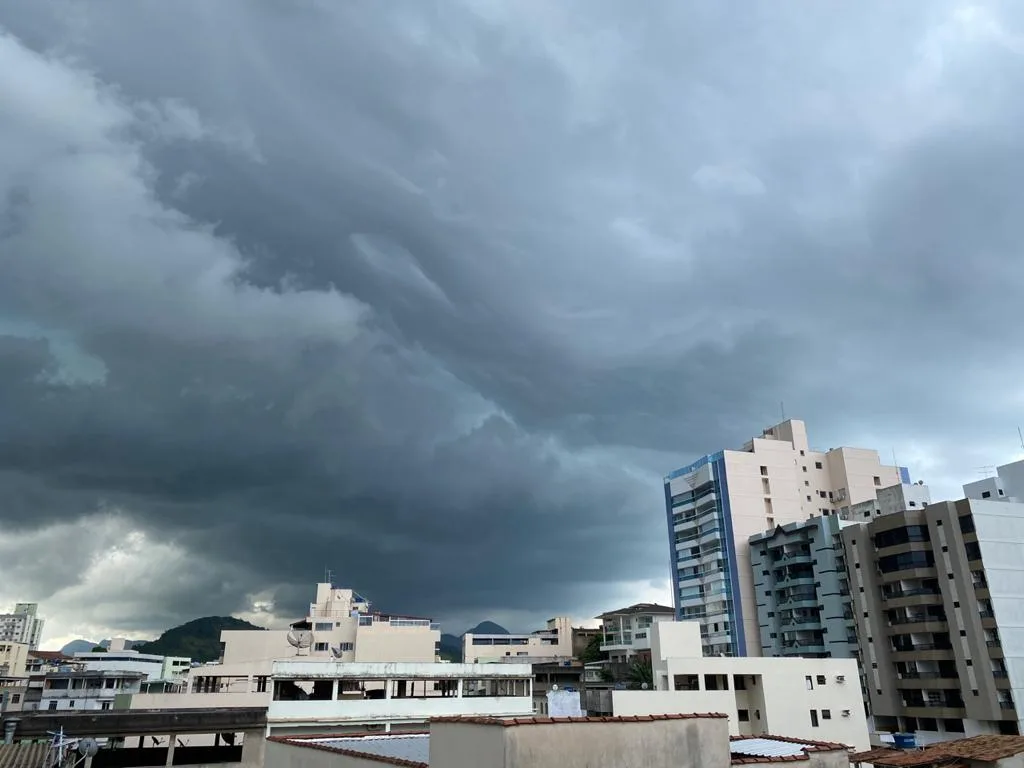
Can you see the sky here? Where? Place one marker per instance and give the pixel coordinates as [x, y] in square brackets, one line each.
[433, 294]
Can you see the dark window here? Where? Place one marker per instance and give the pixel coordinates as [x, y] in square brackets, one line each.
[986, 494]
[821, 679]
[814, 718]
[901, 536]
[973, 550]
[817, 465]
[905, 561]
[826, 714]
[743, 715]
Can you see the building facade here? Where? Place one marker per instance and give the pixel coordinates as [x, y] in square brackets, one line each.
[938, 597]
[85, 690]
[802, 591]
[23, 625]
[627, 631]
[121, 658]
[551, 643]
[715, 505]
[805, 698]
[895, 498]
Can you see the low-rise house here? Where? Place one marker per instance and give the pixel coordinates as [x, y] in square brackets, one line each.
[87, 690]
[118, 657]
[985, 751]
[552, 643]
[804, 698]
[627, 631]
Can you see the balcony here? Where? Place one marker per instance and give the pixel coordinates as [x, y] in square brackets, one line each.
[339, 712]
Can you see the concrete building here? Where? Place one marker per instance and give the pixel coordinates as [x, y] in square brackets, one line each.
[1006, 485]
[803, 595]
[715, 505]
[976, 751]
[666, 741]
[549, 644]
[121, 658]
[85, 690]
[896, 498]
[318, 695]
[23, 625]
[804, 698]
[627, 631]
[938, 597]
[13, 659]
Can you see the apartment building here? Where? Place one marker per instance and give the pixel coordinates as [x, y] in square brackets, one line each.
[802, 591]
[13, 659]
[801, 697]
[715, 504]
[938, 597]
[121, 658]
[552, 643]
[85, 690]
[627, 631]
[23, 625]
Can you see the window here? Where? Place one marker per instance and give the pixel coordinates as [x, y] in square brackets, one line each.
[53, 705]
[878, 480]
[986, 494]
[261, 684]
[817, 465]
[320, 647]
[826, 714]
[347, 646]
[104, 705]
[821, 679]
[808, 498]
[743, 715]
[809, 682]
[321, 626]
[764, 471]
[15, 698]
[807, 483]
[805, 467]
[814, 718]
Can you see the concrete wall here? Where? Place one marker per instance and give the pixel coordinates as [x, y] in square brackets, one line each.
[13, 656]
[391, 710]
[280, 755]
[690, 743]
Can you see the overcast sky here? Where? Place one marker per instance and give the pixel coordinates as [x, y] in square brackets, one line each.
[434, 293]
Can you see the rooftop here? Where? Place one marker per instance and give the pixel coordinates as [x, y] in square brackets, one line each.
[508, 722]
[640, 609]
[747, 750]
[985, 749]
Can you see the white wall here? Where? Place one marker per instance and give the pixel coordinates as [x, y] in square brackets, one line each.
[394, 710]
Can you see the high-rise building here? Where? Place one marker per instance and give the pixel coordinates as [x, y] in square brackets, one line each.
[22, 626]
[715, 505]
[802, 591]
[938, 597]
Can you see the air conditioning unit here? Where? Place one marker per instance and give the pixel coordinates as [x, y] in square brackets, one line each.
[846, 713]
[840, 678]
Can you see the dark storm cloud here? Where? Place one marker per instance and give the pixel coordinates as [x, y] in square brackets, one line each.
[432, 294]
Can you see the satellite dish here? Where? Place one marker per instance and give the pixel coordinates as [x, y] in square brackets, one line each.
[336, 651]
[300, 639]
[88, 747]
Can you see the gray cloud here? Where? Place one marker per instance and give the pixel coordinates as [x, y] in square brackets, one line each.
[433, 295]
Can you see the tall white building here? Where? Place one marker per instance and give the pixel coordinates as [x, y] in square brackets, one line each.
[23, 625]
[715, 504]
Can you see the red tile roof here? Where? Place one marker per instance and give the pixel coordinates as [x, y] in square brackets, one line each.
[511, 721]
[813, 746]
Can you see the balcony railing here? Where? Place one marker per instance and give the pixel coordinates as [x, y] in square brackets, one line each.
[993, 643]
[1006, 704]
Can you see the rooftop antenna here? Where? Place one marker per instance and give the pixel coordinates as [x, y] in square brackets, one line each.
[329, 576]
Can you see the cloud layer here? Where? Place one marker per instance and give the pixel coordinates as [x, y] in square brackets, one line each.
[433, 294]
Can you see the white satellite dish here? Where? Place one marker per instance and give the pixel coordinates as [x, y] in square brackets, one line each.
[300, 640]
[88, 747]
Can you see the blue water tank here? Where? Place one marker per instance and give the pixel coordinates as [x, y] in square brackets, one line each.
[903, 740]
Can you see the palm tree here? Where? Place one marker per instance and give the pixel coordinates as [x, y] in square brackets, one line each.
[640, 673]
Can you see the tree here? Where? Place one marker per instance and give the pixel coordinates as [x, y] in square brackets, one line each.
[98, 649]
[592, 652]
[640, 673]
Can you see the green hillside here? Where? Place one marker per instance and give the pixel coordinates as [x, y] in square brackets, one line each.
[198, 639]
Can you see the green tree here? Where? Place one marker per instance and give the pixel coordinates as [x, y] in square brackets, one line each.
[640, 673]
[592, 652]
[98, 649]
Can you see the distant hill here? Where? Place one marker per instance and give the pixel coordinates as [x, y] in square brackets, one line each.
[198, 639]
[451, 645]
[78, 646]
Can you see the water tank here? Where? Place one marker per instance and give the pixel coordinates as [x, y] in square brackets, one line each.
[903, 740]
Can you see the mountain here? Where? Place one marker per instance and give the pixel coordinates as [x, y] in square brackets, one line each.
[451, 645]
[198, 639]
[78, 646]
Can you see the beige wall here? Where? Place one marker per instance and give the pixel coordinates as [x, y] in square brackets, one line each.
[280, 755]
[689, 743]
[13, 656]
[534, 646]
